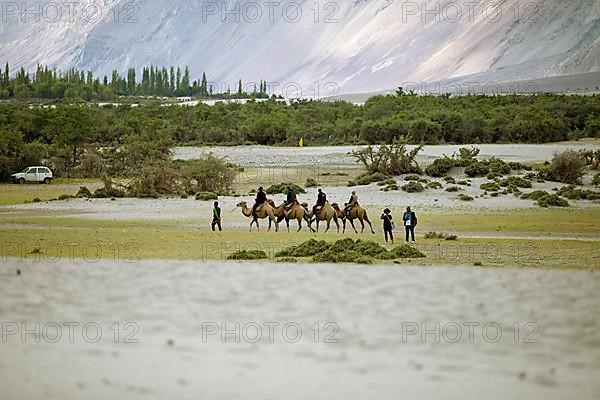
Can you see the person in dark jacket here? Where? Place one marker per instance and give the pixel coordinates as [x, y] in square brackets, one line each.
[291, 198]
[216, 217]
[410, 222]
[321, 200]
[388, 225]
[261, 198]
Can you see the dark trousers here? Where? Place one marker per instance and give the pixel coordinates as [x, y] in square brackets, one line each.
[390, 233]
[410, 231]
[215, 223]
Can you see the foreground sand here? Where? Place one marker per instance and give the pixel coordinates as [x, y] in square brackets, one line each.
[557, 356]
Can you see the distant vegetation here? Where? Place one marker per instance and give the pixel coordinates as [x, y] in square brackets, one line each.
[88, 140]
[154, 81]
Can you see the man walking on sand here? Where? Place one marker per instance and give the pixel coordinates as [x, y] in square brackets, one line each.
[216, 217]
[410, 222]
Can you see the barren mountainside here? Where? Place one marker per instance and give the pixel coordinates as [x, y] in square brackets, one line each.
[359, 46]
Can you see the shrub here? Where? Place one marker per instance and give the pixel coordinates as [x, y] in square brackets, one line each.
[572, 193]
[37, 200]
[449, 180]
[84, 192]
[207, 174]
[311, 183]
[413, 187]
[387, 182]
[464, 197]
[516, 181]
[352, 184]
[535, 195]
[283, 188]
[434, 235]
[517, 166]
[367, 179]
[566, 167]
[596, 180]
[490, 187]
[463, 183]
[477, 169]
[467, 156]
[453, 189]
[206, 196]
[248, 255]
[552, 200]
[412, 178]
[440, 167]
[65, 197]
[434, 185]
[497, 166]
[394, 159]
[389, 188]
[406, 251]
[346, 250]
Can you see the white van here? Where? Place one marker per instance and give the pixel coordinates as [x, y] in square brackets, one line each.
[33, 174]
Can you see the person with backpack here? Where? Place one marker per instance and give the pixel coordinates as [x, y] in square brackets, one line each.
[388, 225]
[216, 217]
[410, 222]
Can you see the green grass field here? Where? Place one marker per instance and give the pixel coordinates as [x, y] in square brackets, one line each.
[534, 237]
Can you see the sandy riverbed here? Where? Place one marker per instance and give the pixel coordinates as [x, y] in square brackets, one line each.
[340, 156]
[171, 302]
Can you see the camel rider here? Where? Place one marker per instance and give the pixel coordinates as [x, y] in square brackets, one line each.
[352, 203]
[261, 198]
[291, 198]
[321, 200]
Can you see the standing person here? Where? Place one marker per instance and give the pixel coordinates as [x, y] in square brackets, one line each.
[261, 198]
[410, 222]
[216, 217]
[388, 225]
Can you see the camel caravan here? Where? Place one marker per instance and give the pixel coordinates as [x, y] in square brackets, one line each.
[291, 209]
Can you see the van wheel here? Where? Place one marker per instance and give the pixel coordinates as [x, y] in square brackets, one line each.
[47, 181]
[21, 181]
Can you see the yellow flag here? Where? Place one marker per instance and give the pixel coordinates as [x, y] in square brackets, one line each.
[301, 142]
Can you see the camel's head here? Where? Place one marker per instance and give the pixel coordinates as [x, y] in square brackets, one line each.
[305, 205]
[335, 206]
[271, 203]
[242, 204]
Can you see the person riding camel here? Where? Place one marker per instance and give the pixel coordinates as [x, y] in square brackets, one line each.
[291, 198]
[261, 198]
[352, 203]
[321, 200]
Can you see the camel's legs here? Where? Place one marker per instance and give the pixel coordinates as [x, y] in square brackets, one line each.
[299, 224]
[370, 224]
[328, 225]
[362, 223]
[353, 227]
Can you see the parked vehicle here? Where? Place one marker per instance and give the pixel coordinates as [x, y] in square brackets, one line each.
[33, 174]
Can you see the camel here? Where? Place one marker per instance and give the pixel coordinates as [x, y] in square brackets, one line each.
[358, 213]
[327, 213]
[296, 212]
[265, 211]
